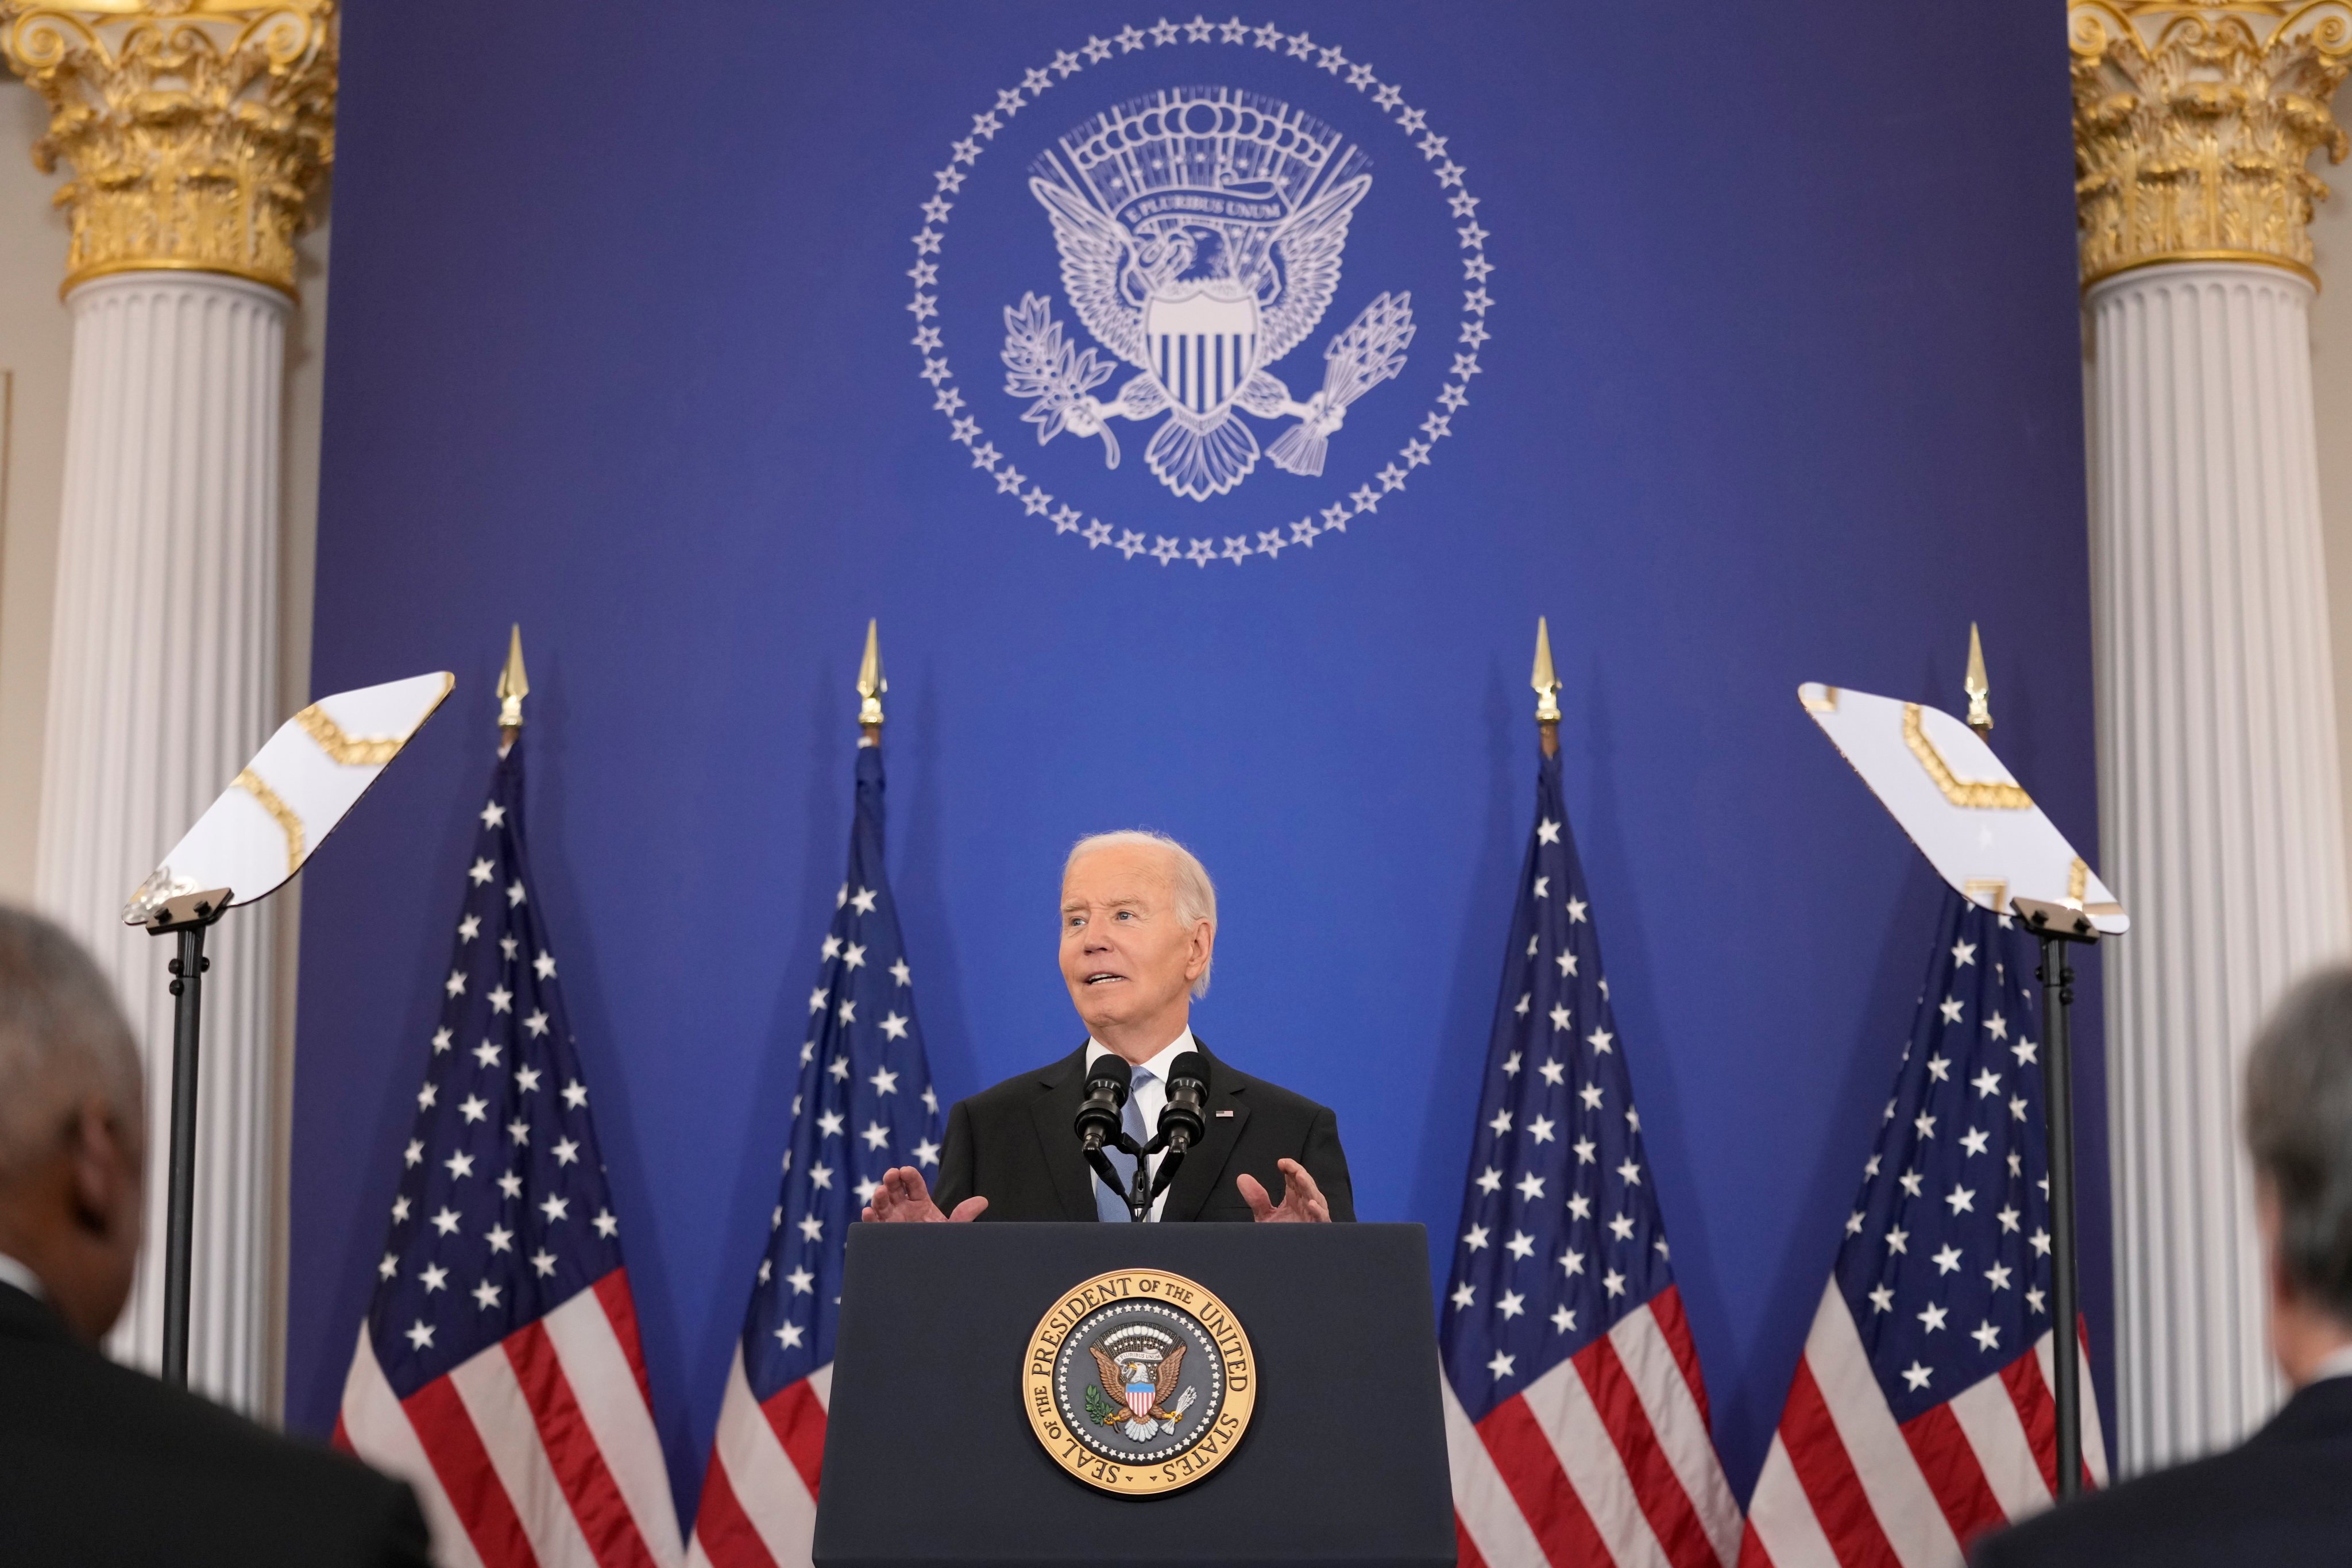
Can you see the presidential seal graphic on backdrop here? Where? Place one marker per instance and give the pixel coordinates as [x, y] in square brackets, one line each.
[1200, 232]
[1139, 1381]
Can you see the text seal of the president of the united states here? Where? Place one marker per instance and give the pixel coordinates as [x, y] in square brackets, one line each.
[1139, 1381]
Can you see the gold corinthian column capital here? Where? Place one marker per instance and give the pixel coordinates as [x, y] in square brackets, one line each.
[2194, 121]
[196, 130]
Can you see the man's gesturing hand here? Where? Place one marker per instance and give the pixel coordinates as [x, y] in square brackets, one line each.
[1302, 1201]
[903, 1197]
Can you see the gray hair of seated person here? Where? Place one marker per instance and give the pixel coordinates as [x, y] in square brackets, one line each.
[62, 1038]
[2298, 1123]
[1187, 880]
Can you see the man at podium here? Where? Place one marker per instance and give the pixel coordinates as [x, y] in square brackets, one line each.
[1138, 931]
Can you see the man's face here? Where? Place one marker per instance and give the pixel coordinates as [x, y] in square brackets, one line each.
[1127, 956]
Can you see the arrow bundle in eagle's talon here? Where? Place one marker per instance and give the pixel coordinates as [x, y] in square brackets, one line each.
[1369, 352]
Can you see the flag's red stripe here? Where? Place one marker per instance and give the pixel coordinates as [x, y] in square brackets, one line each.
[1657, 1488]
[1826, 1473]
[2090, 1396]
[579, 1465]
[2022, 1378]
[342, 1440]
[1953, 1472]
[1666, 1306]
[621, 1306]
[1751, 1548]
[474, 1492]
[726, 1531]
[1465, 1551]
[799, 1422]
[1546, 1497]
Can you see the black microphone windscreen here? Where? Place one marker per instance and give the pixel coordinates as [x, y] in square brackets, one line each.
[1113, 1069]
[1190, 1067]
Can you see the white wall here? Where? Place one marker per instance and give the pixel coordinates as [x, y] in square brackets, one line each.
[2331, 376]
[35, 353]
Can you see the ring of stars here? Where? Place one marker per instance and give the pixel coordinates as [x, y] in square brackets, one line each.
[998, 469]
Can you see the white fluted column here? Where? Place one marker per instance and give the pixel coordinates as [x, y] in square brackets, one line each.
[163, 679]
[2222, 802]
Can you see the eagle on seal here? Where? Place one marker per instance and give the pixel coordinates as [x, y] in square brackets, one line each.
[1154, 1387]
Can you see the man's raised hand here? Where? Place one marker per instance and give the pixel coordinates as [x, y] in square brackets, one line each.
[904, 1198]
[1302, 1200]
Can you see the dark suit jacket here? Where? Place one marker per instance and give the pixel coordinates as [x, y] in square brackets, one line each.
[1014, 1146]
[2281, 1499]
[102, 1466]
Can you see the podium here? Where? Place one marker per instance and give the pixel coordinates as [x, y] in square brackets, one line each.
[931, 1456]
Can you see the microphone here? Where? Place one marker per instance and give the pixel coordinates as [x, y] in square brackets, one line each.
[1181, 1124]
[1098, 1114]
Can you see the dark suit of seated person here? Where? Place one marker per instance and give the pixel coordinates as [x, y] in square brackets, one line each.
[2283, 1497]
[101, 1466]
[1138, 934]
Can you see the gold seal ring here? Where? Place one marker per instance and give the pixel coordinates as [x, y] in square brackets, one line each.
[1139, 1381]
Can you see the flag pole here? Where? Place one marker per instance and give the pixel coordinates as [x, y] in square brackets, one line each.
[1546, 685]
[513, 687]
[1979, 690]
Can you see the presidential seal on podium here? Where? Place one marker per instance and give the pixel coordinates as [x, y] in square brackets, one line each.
[1139, 1381]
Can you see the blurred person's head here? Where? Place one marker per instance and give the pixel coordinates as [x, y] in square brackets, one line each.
[2299, 1130]
[72, 1125]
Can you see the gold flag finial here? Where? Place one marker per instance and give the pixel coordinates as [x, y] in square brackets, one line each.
[1546, 685]
[870, 688]
[513, 687]
[1979, 691]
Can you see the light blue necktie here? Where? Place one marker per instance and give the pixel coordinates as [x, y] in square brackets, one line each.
[1112, 1207]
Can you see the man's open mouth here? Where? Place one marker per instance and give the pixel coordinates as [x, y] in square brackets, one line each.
[1103, 977]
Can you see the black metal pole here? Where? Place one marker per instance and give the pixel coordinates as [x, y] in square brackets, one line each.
[180, 1218]
[2057, 977]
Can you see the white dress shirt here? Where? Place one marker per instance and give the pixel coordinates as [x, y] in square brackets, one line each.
[14, 1273]
[1150, 1096]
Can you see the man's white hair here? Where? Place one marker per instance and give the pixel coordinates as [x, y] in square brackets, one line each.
[62, 1037]
[1196, 895]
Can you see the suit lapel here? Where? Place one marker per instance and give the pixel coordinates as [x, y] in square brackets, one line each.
[1196, 1182]
[1062, 1087]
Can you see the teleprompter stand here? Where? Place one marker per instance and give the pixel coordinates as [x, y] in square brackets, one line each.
[931, 1462]
[188, 918]
[2055, 926]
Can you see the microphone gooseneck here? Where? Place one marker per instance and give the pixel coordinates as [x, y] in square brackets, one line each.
[1182, 1122]
[1108, 1081]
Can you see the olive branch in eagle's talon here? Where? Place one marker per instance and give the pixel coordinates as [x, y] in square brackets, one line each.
[1039, 366]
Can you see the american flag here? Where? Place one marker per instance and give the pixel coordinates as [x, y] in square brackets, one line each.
[1920, 1414]
[864, 1105]
[500, 1370]
[1576, 1418]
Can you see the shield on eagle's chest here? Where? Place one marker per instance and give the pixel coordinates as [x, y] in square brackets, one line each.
[1201, 349]
[1142, 1392]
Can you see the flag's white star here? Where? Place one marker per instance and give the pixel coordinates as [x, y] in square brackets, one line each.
[456, 985]
[1986, 1336]
[575, 1094]
[1562, 1018]
[839, 1067]
[1540, 1129]
[487, 1053]
[479, 871]
[1591, 1094]
[606, 1225]
[1512, 1304]
[788, 1335]
[459, 1166]
[1571, 1261]
[1576, 916]
[1939, 1068]
[1911, 1181]
[566, 1151]
[442, 1040]
[1613, 1282]
[1547, 831]
[473, 1107]
[1502, 1122]
[544, 966]
[927, 1152]
[525, 1079]
[2007, 1217]
[420, 1336]
[1996, 1026]
[1622, 1228]
[828, 1125]
[514, 892]
[1464, 1295]
[812, 1228]
[544, 1261]
[883, 1080]
[510, 1184]
[863, 900]
[414, 1153]
[865, 1189]
[2024, 1052]
[1999, 1274]
[1553, 1073]
[1916, 1376]
[389, 1267]
[930, 1099]
[2040, 1242]
[1934, 1318]
[1975, 1140]
[1948, 1261]
[469, 928]
[1511, 1065]
[817, 999]
[1562, 1320]
[1898, 1240]
[1882, 1299]
[2033, 1298]
[1567, 961]
[1521, 1246]
[1950, 1007]
[519, 1131]
[901, 974]
[500, 1239]
[446, 1221]
[1963, 1199]
[894, 1027]
[555, 1208]
[800, 1279]
[1543, 887]
[506, 945]
[875, 1135]
[487, 1294]
[1490, 1180]
[1584, 1148]
[1500, 1366]
[1925, 1124]
[1964, 953]
[1631, 1173]
[1578, 1206]
[1599, 1040]
[436, 1277]
[1475, 1239]
[1854, 1223]
[853, 956]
